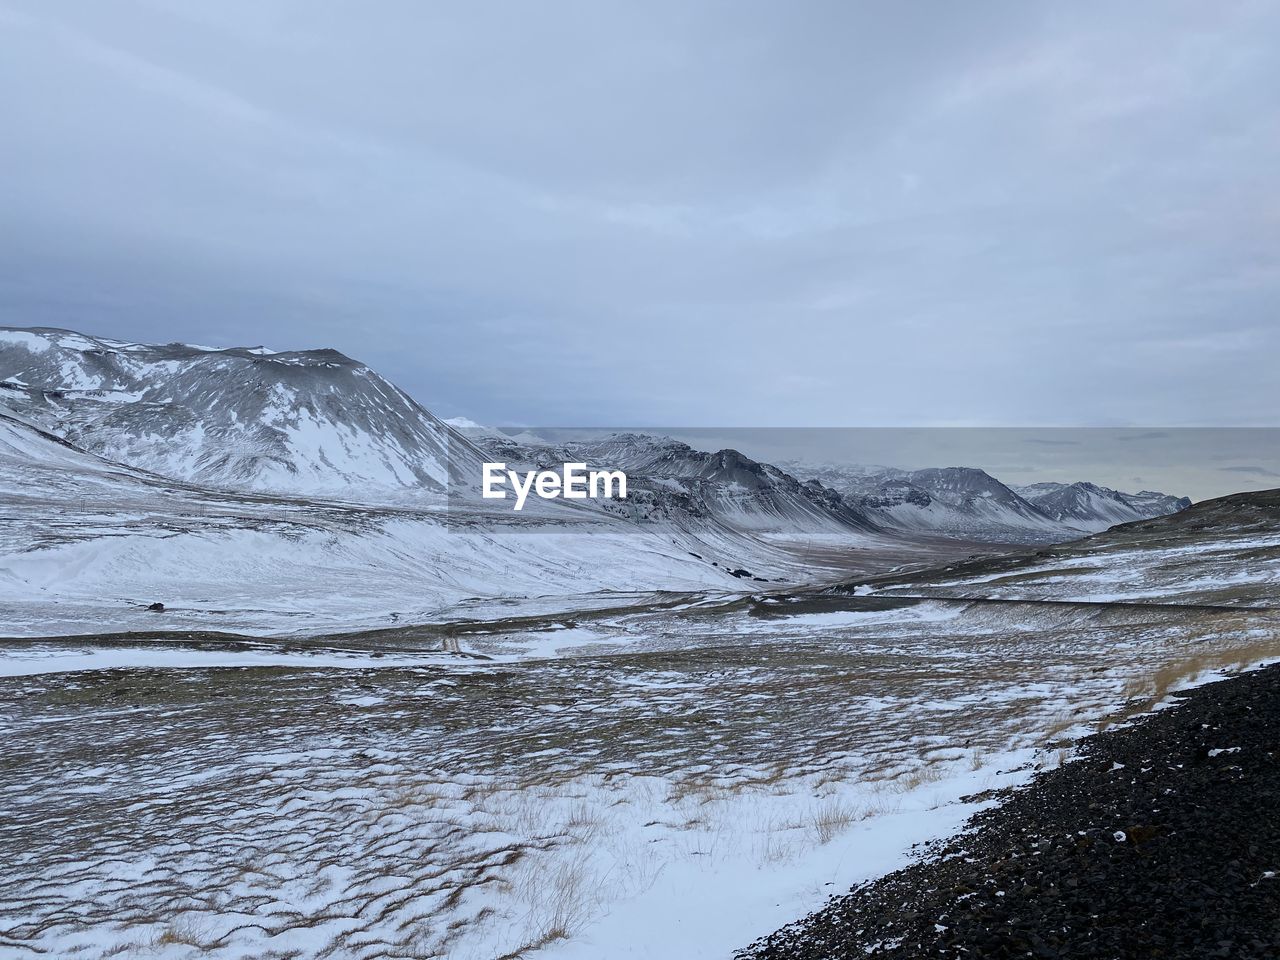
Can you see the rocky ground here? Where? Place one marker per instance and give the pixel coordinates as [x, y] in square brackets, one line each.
[1160, 840]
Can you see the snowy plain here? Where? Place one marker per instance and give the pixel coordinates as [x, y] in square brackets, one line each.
[637, 783]
[358, 729]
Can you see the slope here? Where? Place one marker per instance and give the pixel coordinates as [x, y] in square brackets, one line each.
[304, 422]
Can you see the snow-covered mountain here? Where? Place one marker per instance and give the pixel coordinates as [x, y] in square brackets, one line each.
[960, 501]
[311, 422]
[88, 545]
[295, 490]
[220, 483]
[1091, 507]
[671, 479]
[968, 503]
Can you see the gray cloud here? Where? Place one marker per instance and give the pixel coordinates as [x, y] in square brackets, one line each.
[1256, 471]
[709, 212]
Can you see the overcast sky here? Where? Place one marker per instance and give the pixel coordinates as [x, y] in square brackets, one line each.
[736, 213]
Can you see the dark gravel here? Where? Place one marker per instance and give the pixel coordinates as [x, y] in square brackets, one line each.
[1153, 844]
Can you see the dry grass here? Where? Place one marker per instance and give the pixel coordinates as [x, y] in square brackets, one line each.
[545, 939]
[1154, 687]
[918, 776]
[451, 811]
[1057, 725]
[831, 818]
[181, 933]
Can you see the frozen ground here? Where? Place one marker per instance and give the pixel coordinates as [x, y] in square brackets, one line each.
[1239, 567]
[400, 725]
[88, 546]
[634, 783]
[588, 759]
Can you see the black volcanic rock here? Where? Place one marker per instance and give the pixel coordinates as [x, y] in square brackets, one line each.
[1160, 841]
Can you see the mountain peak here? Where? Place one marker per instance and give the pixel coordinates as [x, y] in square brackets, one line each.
[302, 421]
[1094, 507]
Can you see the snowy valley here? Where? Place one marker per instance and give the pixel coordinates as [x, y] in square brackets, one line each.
[281, 492]
[314, 700]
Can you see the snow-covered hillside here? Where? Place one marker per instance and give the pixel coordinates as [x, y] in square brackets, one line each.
[299, 492]
[87, 545]
[284, 492]
[970, 503]
[960, 501]
[672, 479]
[305, 422]
[1095, 508]
[317, 423]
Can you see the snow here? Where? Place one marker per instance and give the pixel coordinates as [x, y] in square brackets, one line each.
[28, 341]
[566, 721]
[247, 420]
[33, 661]
[711, 905]
[262, 565]
[368, 701]
[968, 503]
[559, 639]
[266, 580]
[1228, 565]
[922, 613]
[659, 771]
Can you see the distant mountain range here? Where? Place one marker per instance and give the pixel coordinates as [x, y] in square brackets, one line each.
[316, 423]
[671, 479]
[969, 503]
[1094, 508]
[256, 491]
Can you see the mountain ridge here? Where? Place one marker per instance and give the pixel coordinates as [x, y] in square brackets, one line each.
[1094, 507]
[969, 502]
[672, 477]
[304, 422]
[319, 423]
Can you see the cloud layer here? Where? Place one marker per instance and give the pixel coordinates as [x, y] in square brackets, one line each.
[711, 212]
